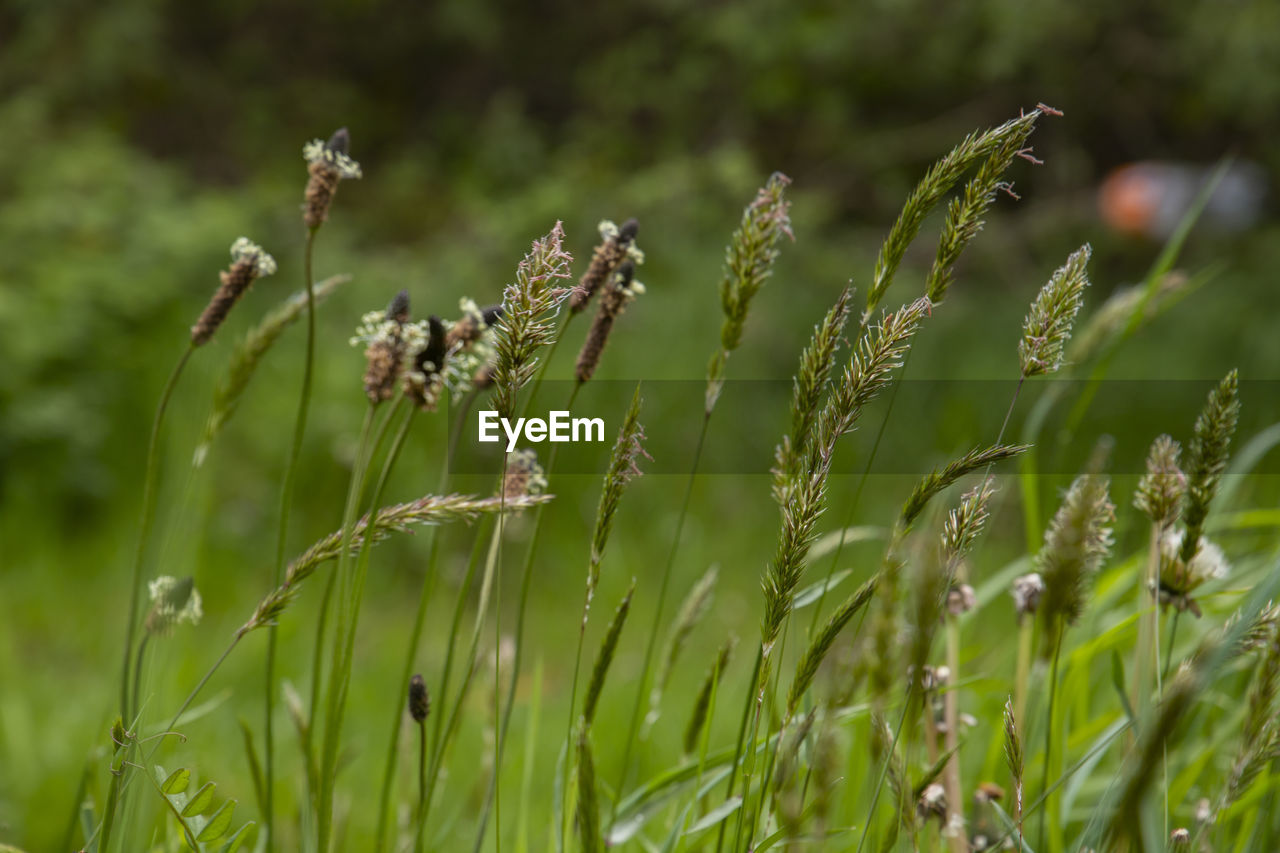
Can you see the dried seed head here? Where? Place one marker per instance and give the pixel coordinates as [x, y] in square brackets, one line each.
[249, 262]
[1161, 488]
[1026, 593]
[524, 475]
[960, 599]
[617, 245]
[174, 601]
[388, 339]
[419, 699]
[1048, 324]
[424, 376]
[622, 289]
[327, 164]
[933, 802]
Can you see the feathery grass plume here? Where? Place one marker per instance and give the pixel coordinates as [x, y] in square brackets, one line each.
[1075, 546]
[808, 387]
[691, 611]
[617, 244]
[419, 699]
[1112, 317]
[623, 468]
[702, 704]
[174, 601]
[387, 346]
[1207, 458]
[965, 523]
[964, 214]
[528, 305]
[604, 657]
[1048, 325]
[939, 480]
[328, 163]
[588, 804]
[524, 475]
[1161, 489]
[936, 183]
[1013, 757]
[1260, 735]
[246, 357]
[822, 642]
[621, 290]
[398, 518]
[249, 262]
[879, 351]
[749, 258]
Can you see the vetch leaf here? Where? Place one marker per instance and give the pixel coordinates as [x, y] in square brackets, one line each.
[200, 801]
[218, 824]
[177, 781]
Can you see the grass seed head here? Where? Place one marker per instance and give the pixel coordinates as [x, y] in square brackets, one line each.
[1048, 325]
[328, 163]
[249, 262]
[419, 699]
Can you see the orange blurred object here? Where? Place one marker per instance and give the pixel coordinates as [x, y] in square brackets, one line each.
[1151, 197]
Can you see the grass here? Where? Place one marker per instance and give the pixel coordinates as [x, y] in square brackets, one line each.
[920, 684]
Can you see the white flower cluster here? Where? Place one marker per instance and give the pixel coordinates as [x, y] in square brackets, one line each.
[316, 151]
[245, 249]
[1208, 563]
[173, 602]
[461, 367]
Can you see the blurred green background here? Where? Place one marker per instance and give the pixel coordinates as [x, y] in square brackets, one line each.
[138, 138]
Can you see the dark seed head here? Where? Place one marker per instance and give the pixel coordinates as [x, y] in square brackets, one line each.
[398, 310]
[491, 314]
[625, 272]
[627, 233]
[340, 142]
[419, 699]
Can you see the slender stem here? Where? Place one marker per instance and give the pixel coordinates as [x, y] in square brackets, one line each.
[145, 525]
[329, 759]
[951, 709]
[641, 683]
[137, 671]
[282, 538]
[742, 735]
[1026, 625]
[1168, 651]
[422, 766]
[1048, 733]
[415, 636]
[1143, 662]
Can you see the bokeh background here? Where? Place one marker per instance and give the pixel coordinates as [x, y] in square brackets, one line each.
[138, 138]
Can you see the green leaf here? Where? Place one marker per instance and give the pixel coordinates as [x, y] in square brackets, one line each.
[813, 592]
[177, 781]
[716, 815]
[246, 834]
[218, 824]
[200, 801]
[1117, 679]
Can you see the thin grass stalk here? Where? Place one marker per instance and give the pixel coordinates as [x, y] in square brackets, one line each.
[282, 537]
[951, 713]
[1048, 734]
[1022, 671]
[415, 636]
[637, 709]
[329, 754]
[526, 582]
[742, 736]
[146, 523]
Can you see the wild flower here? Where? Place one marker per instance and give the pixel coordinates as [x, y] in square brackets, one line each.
[389, 336]
[249, 262]
[621, 291]
[174, 601]
[1180, 577]
[617, 244]
[524, 476]
[328, 163]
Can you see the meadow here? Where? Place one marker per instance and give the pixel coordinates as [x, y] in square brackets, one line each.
[869, 563]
